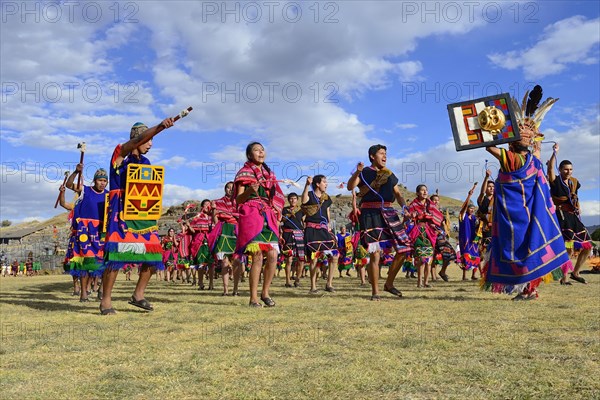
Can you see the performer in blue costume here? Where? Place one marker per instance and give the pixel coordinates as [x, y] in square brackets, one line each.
[130, 242]
[88, 221]
[527, 244]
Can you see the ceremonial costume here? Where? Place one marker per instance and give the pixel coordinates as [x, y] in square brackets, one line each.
[258, 215]
[485, 211]
[346, 249]
[293, 233]
[444, 252]
[128, 241]
[223, 238]
[469, 248]
[317, 237]
[423, 235]
[566, 201]
[199, 249]
[170, 252]
[527, 245]
[88, 239]
[380, 224]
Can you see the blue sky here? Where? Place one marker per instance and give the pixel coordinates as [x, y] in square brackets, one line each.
[315, 82]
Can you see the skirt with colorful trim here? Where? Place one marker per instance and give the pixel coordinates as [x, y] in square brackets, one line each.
[266, 240]
[573, 231]
[319, 240]
[225, 245]
[133, 242]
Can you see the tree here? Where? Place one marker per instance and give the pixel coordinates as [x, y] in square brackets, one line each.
[596, 235]
[6, 223]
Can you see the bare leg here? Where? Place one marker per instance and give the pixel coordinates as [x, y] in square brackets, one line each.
[108, 281]
[144, 277]
[393, 271]
[313, 275]
[333, 263]
[269, 272]
[373, 268]
[255, 271]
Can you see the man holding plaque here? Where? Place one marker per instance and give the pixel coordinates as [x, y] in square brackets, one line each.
[132, 230]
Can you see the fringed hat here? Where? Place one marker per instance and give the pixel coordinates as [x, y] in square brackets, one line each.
[530, 116]
[137, 129]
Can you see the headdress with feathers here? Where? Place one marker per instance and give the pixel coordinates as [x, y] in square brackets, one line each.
[530, 115]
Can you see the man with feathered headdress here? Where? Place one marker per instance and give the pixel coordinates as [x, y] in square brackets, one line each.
[527, 245]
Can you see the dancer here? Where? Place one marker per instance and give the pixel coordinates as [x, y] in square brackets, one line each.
[381, 229]
[564, 190]
[199, 227]
[527, 244]
[170, 245]
[427, 220]
[485, 210]
[223, 240]
[292, 230]
[260, 203]
[88, 247]
[320, 242]
[130, 241]
[467, 237]
[346, 250]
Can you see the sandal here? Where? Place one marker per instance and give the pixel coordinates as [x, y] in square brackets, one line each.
[393, 291]
[108, 311]
[444, 277]
[268, 301]
[316, 291]
[329, 289]
[578, 278]
[375, 297]
[566, 283]
[143, 303]
[255, 305]
[296, 283]
[288, 285]
[86, 300]
[235, 293]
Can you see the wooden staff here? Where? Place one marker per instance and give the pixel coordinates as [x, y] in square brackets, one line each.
[81, 147]
[182, 114]
[59, 192]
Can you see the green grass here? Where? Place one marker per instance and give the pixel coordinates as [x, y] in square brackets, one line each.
[448, 342]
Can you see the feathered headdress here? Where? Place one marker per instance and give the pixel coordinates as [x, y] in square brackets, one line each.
[530, 115]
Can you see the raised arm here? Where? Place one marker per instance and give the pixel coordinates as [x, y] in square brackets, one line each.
[493, 150]
[355, 178]
[71, 179]
[488, 173]
[465, 205]
[146, 136]
[305, 191]
[62, 201]
[552, 163]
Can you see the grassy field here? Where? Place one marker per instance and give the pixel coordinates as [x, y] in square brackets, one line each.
[448, 342]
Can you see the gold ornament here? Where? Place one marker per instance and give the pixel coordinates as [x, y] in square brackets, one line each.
[491, 119]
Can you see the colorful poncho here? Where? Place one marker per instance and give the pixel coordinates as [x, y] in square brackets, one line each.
[527, 245]
[128, 242]
[261, 211]
[88, 245]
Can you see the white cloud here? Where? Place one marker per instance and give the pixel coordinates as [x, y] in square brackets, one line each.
[572, 40]
[590, 208]
[406, 126]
